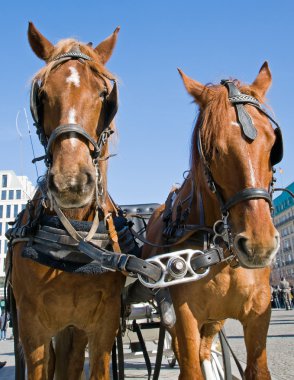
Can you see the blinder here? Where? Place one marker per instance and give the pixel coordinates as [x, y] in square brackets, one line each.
[110, 106]
[277, 151]
[238, 100]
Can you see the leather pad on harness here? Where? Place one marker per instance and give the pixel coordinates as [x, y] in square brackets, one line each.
[277, 149]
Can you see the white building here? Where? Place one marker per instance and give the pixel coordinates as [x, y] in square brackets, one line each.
[15, 191]
[283, 265]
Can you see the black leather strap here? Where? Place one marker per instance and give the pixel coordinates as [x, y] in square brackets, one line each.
[70, 128]
[245, 195]
[212, 256]
[121, 262]
[244, 118]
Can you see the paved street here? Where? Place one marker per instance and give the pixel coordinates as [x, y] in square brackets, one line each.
[280, 351]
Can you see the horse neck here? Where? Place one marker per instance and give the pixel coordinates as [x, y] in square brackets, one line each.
[202, 193]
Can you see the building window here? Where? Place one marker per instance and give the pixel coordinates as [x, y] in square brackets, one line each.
[1, 211]
[10, 195]
[18, 194]
[0, 228]
[15, 210]
[23, 206]
[8, 211]
[5, 246]
[4, 180]
[3, 195]
[6, 226]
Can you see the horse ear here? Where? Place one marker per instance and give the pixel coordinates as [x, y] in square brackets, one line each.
[195, 89]
[39, 44]
[105, 48]
[263, 80]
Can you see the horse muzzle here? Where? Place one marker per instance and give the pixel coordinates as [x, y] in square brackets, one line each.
[253, 253]
[72, 190]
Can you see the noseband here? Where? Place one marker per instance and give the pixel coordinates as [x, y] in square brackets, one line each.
[238, 100]
[110, 109]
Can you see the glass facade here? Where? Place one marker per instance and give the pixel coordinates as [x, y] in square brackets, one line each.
[8, 211]
[4, 180]
[10, 196]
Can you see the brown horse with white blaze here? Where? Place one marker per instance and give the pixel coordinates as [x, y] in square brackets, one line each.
[230, 179]
[73, 104]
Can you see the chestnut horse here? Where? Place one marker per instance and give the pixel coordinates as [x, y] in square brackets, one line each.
[73, 104]
[231, 170]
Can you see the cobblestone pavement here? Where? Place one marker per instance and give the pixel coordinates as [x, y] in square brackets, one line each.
[280, 345]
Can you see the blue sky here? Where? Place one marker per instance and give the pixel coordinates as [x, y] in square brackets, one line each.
[209, 40]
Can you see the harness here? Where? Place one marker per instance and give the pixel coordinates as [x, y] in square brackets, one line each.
[86, 250]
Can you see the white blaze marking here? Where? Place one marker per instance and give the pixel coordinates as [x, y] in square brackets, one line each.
[251, 170]
[72, 116]
[72, 120]
[74, 77]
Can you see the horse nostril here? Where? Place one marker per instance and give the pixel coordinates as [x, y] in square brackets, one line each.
[242, 246]
[89, 178]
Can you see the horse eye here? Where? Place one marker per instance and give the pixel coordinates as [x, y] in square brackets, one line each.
[103, 93]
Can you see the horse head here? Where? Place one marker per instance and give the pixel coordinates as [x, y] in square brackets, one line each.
[73, 104]
[234, 148]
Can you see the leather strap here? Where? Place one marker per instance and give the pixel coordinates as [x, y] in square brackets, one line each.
[245, 195]
[94, 226]
[124, 263]
[70, 128]
[136, 328]
[113, 234]
[238, 364]
[211, 257]
[244, 118]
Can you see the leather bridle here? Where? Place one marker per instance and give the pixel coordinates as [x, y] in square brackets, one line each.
[238, 100]
[110, 106]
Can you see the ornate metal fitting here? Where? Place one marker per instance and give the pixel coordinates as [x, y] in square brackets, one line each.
[221, 230]
[176, 269]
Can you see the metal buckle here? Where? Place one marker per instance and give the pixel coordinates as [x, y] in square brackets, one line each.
[122, 262]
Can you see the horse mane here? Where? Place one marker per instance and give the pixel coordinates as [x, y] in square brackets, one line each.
[212, 121]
